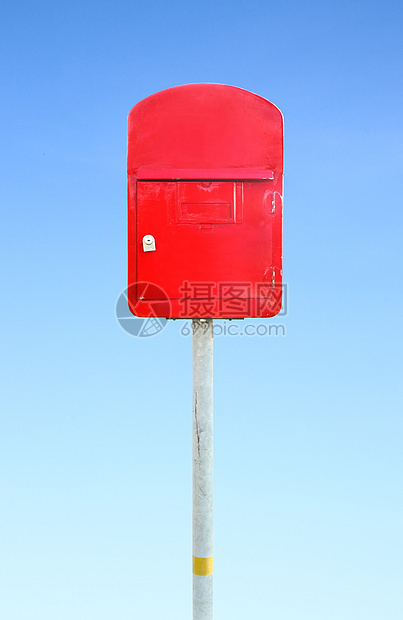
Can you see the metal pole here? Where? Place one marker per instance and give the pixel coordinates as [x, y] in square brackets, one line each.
[202, 469]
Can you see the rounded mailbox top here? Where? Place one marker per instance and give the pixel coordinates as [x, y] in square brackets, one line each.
[205, 126]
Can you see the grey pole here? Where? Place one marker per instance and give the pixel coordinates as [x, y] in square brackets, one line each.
[202, 469]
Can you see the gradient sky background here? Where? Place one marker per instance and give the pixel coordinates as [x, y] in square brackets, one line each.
[95, 504]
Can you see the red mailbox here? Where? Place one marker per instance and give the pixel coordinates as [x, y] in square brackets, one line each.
[205, 177]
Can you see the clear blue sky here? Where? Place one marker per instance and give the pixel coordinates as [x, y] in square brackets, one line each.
[95, 437]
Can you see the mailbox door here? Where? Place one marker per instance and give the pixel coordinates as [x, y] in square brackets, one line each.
[210, 235]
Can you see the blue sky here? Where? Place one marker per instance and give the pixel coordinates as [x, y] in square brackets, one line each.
[95, 506]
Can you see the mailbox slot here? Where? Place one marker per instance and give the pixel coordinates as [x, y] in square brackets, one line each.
[209, 202]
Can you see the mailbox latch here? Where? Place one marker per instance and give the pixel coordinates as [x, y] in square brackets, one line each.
[148, 243]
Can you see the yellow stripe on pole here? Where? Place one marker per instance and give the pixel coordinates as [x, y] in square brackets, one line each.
[202, 566]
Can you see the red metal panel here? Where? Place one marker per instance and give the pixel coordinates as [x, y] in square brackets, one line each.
[176, 174]
[205, 165]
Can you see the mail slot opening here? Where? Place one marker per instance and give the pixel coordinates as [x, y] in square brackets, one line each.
[206, 212]
[206, 202]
